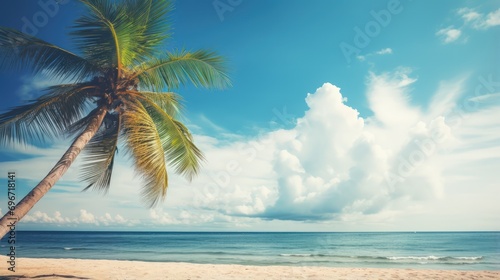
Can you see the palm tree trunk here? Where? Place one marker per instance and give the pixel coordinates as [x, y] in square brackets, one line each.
[25, 205]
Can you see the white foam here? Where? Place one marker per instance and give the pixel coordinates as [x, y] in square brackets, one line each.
[296, 255]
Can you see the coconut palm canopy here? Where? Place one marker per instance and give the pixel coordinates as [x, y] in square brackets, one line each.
[123, 79]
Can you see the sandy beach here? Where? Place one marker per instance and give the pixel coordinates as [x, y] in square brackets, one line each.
[29, 268]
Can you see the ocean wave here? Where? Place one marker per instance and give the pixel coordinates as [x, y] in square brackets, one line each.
[434, 258]
[307, 255]
[392, 258]
[296, 255]
[469, 258]
[71, 248]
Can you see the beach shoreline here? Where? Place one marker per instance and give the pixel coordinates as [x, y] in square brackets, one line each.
[38, 268]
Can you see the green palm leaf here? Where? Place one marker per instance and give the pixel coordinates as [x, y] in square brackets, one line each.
[169, 102]
[128, 34]
[101, 35]
[177, 141]
[99, 154]
[46, 117]
[201, 68]
[146, 147]
[150, 16]
[19, 50]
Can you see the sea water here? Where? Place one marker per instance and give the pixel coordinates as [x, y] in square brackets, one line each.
[418, 250]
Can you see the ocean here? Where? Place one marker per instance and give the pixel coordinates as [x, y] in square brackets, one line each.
[418, 250]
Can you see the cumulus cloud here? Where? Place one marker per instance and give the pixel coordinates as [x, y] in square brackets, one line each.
[84, 217]
[449, 34]
[41, 217]
[335, 165]
[344, 166]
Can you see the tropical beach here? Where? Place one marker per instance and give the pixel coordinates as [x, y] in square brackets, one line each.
[104, 269]
[245, 255]
[233, 139]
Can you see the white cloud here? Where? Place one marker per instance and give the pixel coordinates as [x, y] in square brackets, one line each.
[206, 122]
[468, 14]
[32, 86]
[158, 216]
[41, 217]
[449, 34]
[379, 52]
[339, 166]
[479, 20]
[446, 96]
[335, 165]
[492, 19]
[38, 171]
[492, 97]
[384, 51]
[472, 19]
[84, 217]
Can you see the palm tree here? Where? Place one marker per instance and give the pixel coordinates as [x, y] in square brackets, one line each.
[119, 93]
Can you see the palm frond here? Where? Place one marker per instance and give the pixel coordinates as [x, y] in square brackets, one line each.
[46, 117]
[99, 154]
[150, 16]
[96, 34]
[146, 148]
[177, 141]
[128, 34]
[201, 68]
[168, 101]
[19, 50]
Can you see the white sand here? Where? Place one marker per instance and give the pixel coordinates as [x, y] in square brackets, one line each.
[45, 269]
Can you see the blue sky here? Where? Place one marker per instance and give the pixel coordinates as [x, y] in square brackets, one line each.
[343, 115]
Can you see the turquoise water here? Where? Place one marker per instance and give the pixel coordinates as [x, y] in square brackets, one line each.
[441, 250]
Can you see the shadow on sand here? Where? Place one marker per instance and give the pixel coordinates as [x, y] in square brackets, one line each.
[44, 276]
